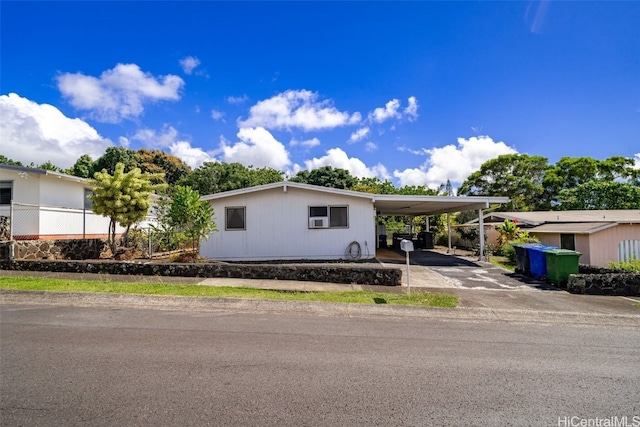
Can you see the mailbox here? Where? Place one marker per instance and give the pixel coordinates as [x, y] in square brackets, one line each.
[406, 245]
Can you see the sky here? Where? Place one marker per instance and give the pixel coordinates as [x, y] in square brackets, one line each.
[414, 92]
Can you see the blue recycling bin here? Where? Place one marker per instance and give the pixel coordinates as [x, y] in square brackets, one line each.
[538, 260]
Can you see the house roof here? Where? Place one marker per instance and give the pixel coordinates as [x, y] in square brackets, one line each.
[543, 217]
[385, 204]
[572, 227]
[26, 171]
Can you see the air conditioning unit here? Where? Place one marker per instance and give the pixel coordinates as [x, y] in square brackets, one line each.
[318, 222]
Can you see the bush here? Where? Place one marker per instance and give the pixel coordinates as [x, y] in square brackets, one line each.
[187, 258]
[632, 265]
[509, 253]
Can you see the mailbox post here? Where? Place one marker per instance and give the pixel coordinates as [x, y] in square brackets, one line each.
[407, 246]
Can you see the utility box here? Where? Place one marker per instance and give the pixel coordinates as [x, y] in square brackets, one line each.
[560, 264]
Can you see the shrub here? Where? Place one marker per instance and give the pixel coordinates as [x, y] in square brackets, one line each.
[509, 253]
[632, 264]
[188, 258]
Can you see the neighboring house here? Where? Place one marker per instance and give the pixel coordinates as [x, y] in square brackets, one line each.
[600, 236]
[47, 205]
[288, 220]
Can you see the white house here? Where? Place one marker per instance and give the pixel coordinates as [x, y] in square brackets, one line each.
[288, 220]
[47, 205]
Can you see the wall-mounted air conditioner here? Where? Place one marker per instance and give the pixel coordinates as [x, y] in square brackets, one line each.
[318, 222]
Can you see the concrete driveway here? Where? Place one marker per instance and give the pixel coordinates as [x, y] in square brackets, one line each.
[434, 269]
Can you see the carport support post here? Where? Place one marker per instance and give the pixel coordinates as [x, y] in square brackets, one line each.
[481, 232]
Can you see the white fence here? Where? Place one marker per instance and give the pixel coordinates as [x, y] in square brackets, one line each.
[32, 222]
[628, 249]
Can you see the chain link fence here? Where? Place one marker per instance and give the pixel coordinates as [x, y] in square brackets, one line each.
[21, 221]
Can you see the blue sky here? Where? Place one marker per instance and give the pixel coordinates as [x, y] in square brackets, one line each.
[414, 92]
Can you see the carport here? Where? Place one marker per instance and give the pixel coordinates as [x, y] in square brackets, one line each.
[391, 204]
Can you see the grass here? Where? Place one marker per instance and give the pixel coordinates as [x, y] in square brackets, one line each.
[354, 297]
[502, 262]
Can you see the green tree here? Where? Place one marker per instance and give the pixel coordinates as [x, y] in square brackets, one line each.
[48, 166]
[600, 194]
[190, 216]
[374, 186]
[517, 176]
[327, 176]
[157, 161]
[115, 155]
[571, 172]
[215, 177]
[7, 161]
[83, 167]
[124, 198]
[509, 231]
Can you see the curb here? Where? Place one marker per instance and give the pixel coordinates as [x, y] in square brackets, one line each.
[207, 304]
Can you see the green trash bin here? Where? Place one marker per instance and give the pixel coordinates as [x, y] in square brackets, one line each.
[560, 264]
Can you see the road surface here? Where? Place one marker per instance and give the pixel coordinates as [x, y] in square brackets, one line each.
[110, 366]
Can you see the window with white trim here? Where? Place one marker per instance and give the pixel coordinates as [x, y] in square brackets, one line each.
[6, 192]
[329, 216]
[235, 218]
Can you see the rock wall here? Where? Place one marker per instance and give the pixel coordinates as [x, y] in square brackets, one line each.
[76, 249]
[5, 228]
[339, 273]
[626, 284]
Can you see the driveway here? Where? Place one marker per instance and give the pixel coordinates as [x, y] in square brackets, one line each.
[439, 270]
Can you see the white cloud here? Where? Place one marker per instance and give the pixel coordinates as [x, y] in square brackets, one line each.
[189, 63]
[256, 147]
[453, 162]
[358, 135]
[119, 93]
[162, 139]
[193, 156]
[309, 143]
[637, 158]
[37, 133]
[237, 99]
[371, 146]
[297, 109]
[391, 110]
[217, 115]
[411, 112]
[124, 141]
[337, 158]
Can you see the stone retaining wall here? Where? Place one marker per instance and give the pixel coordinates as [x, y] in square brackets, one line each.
[77, 249]
[5, 228]
[627, 284]
[339, 273]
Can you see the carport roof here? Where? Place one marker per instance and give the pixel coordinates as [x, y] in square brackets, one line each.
[385, 204]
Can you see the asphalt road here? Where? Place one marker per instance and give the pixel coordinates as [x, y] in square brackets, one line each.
[126, 366]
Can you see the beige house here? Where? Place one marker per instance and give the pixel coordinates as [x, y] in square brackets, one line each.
[601, 236]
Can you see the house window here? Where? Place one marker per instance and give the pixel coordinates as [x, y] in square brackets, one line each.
[328, 217]
[88, 203]
[235, 218]
[338, 217]
[568, 241]
[6, 192]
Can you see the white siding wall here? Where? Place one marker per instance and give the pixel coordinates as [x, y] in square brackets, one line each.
[25, 189]
[61, 193]
[277, 227]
